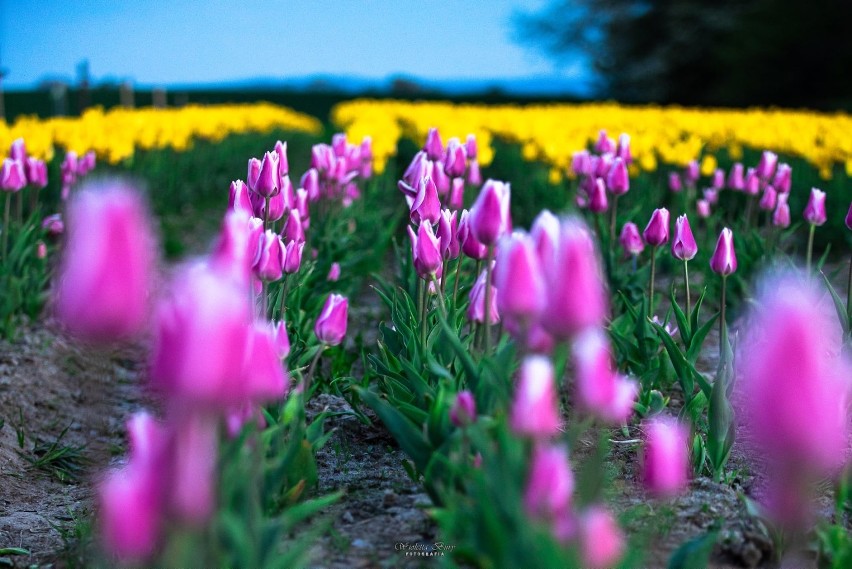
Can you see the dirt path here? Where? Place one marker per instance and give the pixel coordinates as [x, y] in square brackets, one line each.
[48, 385]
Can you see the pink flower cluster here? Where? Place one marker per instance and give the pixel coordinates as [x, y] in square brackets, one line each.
[602, 172]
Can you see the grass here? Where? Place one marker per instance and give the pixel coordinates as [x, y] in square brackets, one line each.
[64, 462]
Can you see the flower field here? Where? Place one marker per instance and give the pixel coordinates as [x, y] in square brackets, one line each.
[514, 336]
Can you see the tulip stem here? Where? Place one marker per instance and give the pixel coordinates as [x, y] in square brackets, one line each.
[651, 285]
[6, 223]
[443, 286]
[686, 282]
[264, 305]
[810, 246]
[310, 375]
[440, 296]
[488, 292]
[421, 298]
[456, 284]
[282, 304]
[19, 207]
[612, 220]
[722, 318]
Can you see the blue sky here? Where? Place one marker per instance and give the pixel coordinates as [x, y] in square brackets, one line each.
[185, 41]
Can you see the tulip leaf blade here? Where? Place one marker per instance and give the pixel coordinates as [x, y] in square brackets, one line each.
[841, 309]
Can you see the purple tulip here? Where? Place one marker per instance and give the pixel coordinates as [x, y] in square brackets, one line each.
[622, 150]
[604, 143]
[283, 163]
[281, 340]
[518, 279]
[310, 182]
[448, 235]
[192, 476]
[724, 260]
[675, 184]
[550, 484]
[618, 180]
[108, 264]
[427, 204]
[665, 465]
[545, 233]
[630, 239]
[333, 273]
[718, 179]
[433, 147]
[598, 202]
[692, 172]
[657, 231]
[470, 245]
[768, 199]
[702, 208]
[470, 147]
[294, 231]
[330, 327]
[18, 150]
[455, 159]
[463, 411]
[783, 178]
[457, 194]
[293, 257]
[474, 177]
[476, 308]
[815, 210]
[426, 251]
[600, 390]
[849, 218]
[53, 224]
[489, 217]
[583, 304]
[711, 195]
[253, 172]
[752, 182]
[12, 175]
[268, 181]
[781, 215]
[535, 408]
[581, 163]
[36, 171]
[602, 542]
[684, 247]
[736, 180]
[766, 166]
[269, 265]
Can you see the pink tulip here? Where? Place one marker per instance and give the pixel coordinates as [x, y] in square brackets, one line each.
[426, 251]
[267, 183]
[604, 143]
[736, 180]
[781, 215]
[766, 166]
[470, 146]
[752, 182]
[618, 181]
[474, 176]
[718, 182]
[330, 327]
[448, 235]
[280, 338]
[815, 210]
[572, 309]
[12, 175]
[457, 194]
[108, 264]
[675, 184]
[237, 248]
[622, 150]
[269, 264]
[263, 375]
[333, 273]
[692, 172]
[87, 163]
[657, 231]
[470, 245]
[433, 147]
[293, 257]
[600, 390]
[848, 219]
[18, 150]
[702, 208]
[630, 239]
[665, 465]
[597, 199]
[130, 514]
[550, 484]
[684, 247]
[711, 195]
[310, 183]
[581, 163]
[535, 408]
[53, 224]
[602, 542]
[724, 260]
[518, 279]
[455, 159]
[192, 476]
[783, 178]
[239, 198]
[476, 309]
[294, 231]
[489, 216]
[768, 199]
[427, 204]
[41, 250]
[36, 171]
[463, 411]
[283, 163]
[545, 233]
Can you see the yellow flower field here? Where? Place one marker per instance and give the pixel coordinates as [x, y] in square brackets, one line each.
[115, 134]
[659, 135]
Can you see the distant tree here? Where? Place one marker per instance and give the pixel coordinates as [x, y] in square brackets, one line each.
[722, 52]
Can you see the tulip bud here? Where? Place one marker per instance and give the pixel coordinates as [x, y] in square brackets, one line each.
[781, 215]
[601, 540]
[310, 182]
[476, 308]
[702, 208]
[293, 257]
[442, 181]
[333, 273]
[603, 165]
[675, 184]
[766, 166]
[752, 182]
[269, 265]
[470, 245]
[192, 480]
[36, 172]
[433, 147]
[550, 484]
[457, 194]
[108, 264]
[735, 179]
[303, 205]
[684, 247]
[581, 163]
[448, 235]
[427, 205]
[454, 159]
[783, 178]
[572, 309]
[630, 239]
[600, 390]
[622, 151]
[280, 338]
[53, 224]
[768, 199]
[815, 210]
[463, 411]
[130, 514]
[12, 175]
[267, 183]
[692, 172]
[489, 216]
[239, 198]
[426, 251]
[724, 260]
[253, 172]
[718, 179]
[604, 143]
[41, 250]
[87, 163]
[321, 157]
[263, 377]
[518, 279]
[293, 231]
[330, 327]
[535, 408]
[474, 177]
[711, 195]
[545, 233]
[597, 200]
[618, 180]
[665, 466]
[18, 150]
[657, 231]
[283, 163]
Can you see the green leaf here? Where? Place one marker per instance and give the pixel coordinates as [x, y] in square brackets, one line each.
[682, 322]
[14, 551]
[842, 314]
[409, 436]
[695, 553]
[698, 339]
[696, 311]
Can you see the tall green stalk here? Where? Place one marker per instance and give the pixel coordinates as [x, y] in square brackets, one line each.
[686, 283]
[651, 284]
[810, 246]
[488, 292]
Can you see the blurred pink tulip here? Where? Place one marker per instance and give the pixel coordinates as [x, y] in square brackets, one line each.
[293, 257]
[330, 326]
[602, 542]
[618, 181]
[702, 208]
[665, 466]
[455, 158]
[598, 202]
[470, 245]
[550, 483]
[600, 390]
[433, 147]
[448, 235]
[489, 216]
[766, 166]
[675, 184]
[630, 239]
[269, 264]
[476, 309]
[518, 279]
[815, 210]
[12, 175]
[535, 408]
[333, 273]
[463, 411]
[427, 204]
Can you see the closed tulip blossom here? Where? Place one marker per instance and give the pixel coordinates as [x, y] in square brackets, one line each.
[545, 234]
[470, 245]
[239, 197]
[310, 183]
[268, 181]
[848, 219]
[550, 484]
[455, 158]
[581, 163]
[237, 247]
[433, 147]
[476, 308]
[598, 202]
[711, 195]
[292, 257]
[570, 310]
[192, 476]
[426, 251]
[448, 235]
[457, 194]
[684, 248]
[675, 184]
[618, 181]
[283, 164]
[815, 215]
[535, 407]
[665, 465]
[333, 273]
[724, 263]
[783, 178]
[263, 376]
[519, 280]
[474, 175]
[489, 216]
[718, 182]
[294, 231]
[109, 255]
[269, 264]
[768, 199]
[752, 182]
[692, 172]
[463, 411]
[702, 208]
[781, 215]
[12, 175]
[280, 339]
[53, 224]
[427, 204]
[736, 179]
[36, 171]
[601, 391]
[604, 143]
[766, 166]
[793, 391]
[602, 542]
[656, 233]
[630, 240]
[331, 324]
[622, 150]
